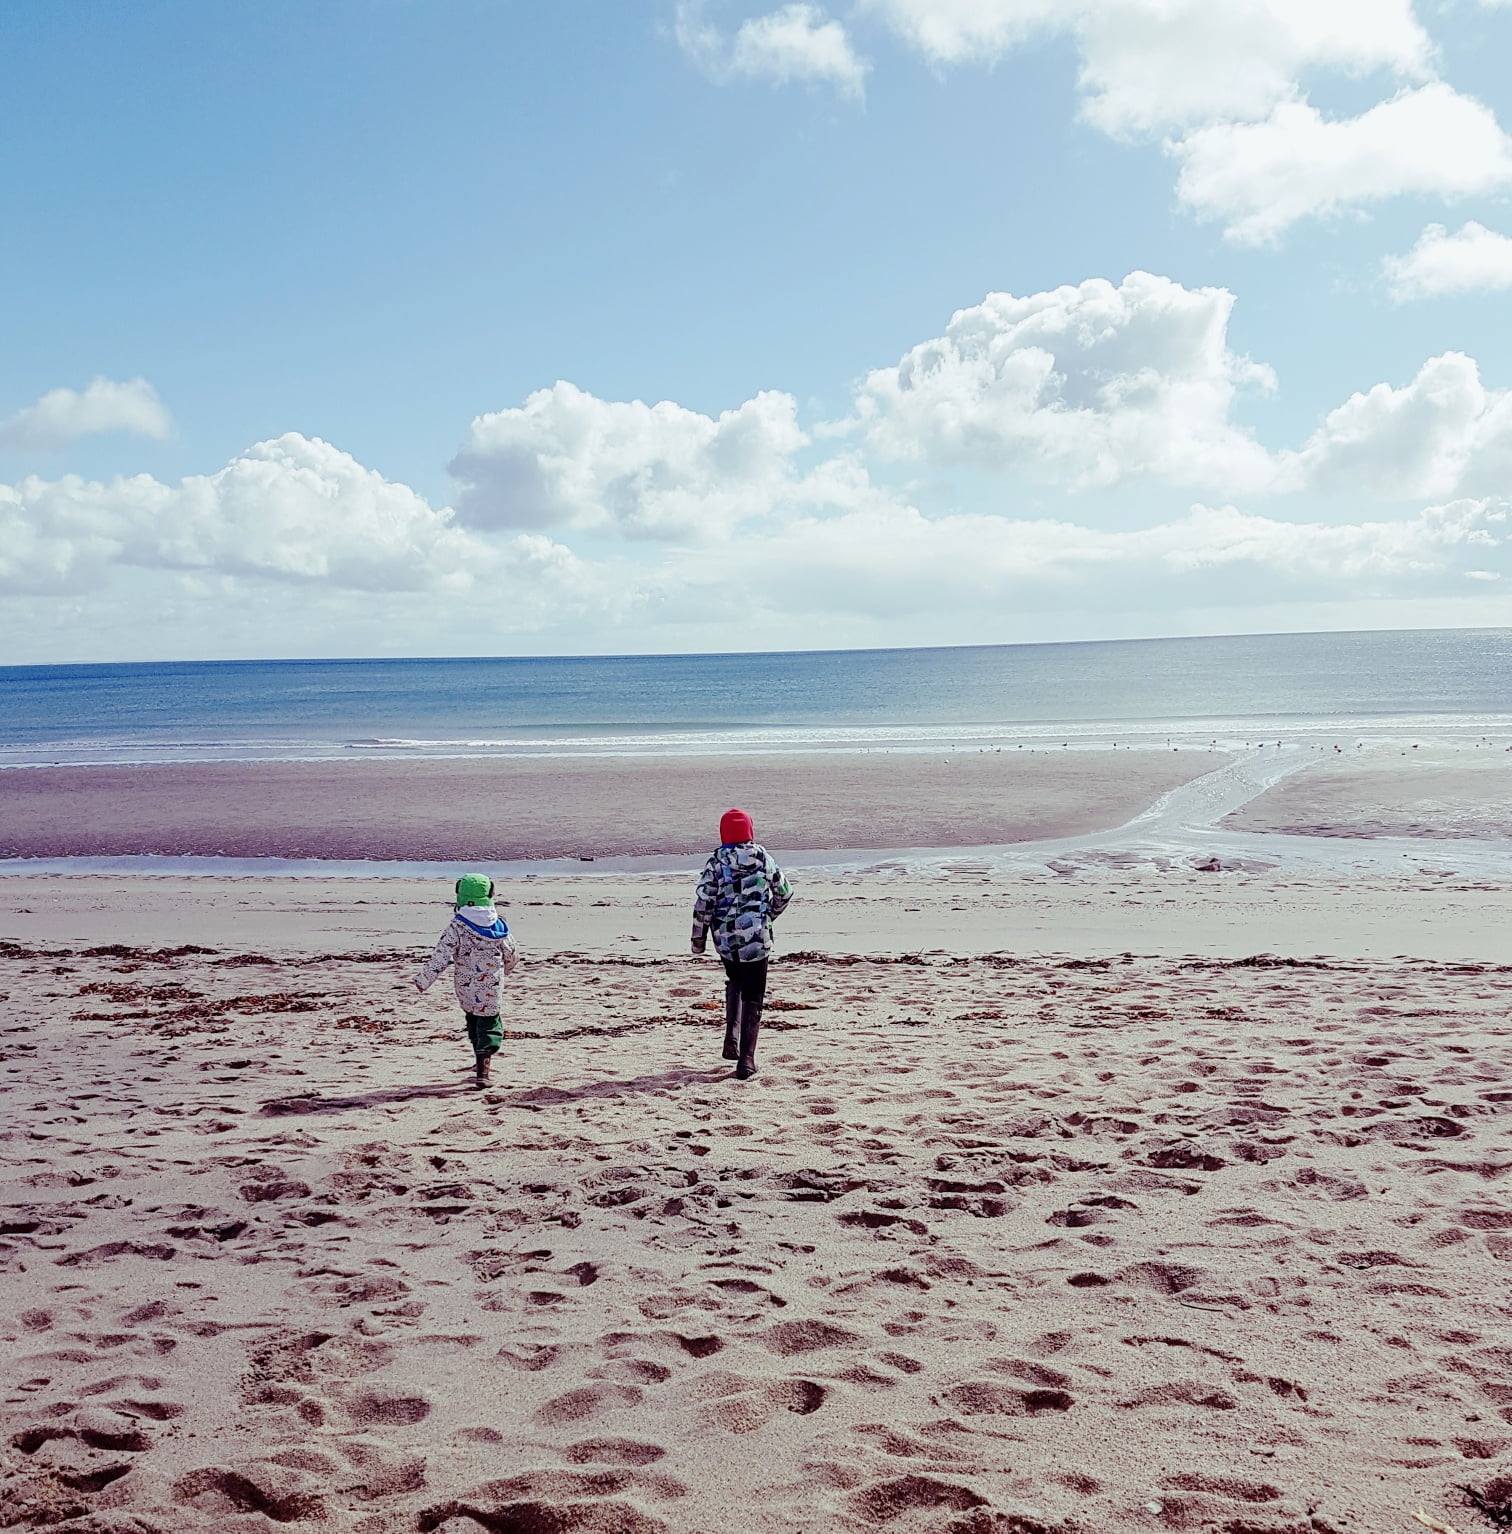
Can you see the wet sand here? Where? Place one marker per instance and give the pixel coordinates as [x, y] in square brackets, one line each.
[513, 808]
[1434, 794]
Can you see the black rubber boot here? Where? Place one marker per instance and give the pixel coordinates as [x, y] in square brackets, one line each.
[750, 1031]
[484, 1070]
[732, 1020]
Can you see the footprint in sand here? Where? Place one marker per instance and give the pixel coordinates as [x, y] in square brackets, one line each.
[586, 1402]
[741, 1405]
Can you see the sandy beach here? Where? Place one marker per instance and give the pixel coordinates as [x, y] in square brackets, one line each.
[512, 807]
[982, 692]
[1062, 1205]
[1433, 794]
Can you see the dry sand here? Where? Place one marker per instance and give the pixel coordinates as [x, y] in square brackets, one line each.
[1407, 791]
[957, 909]
[511, 807]
[1041, 1239]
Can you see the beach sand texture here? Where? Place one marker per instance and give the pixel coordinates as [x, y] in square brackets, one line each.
[959, 908]
[993, 1244]
[512, 807]
[1141, 1199]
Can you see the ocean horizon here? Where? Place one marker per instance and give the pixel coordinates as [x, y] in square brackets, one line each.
[1230, 689]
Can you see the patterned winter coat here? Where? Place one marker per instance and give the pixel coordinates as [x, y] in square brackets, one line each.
[478, 946]
[740, 893]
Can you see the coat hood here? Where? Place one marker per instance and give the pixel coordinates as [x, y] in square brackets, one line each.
[484, 920]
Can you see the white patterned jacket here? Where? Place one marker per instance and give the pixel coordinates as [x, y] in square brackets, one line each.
[480, 950]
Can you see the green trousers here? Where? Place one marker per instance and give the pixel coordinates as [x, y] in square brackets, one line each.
[485, 1034]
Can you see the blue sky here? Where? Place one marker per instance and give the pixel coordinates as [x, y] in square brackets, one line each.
[282, 279]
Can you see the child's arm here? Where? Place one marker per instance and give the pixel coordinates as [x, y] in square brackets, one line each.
[782, 891]
[445, 953]
[703, 905]
[511, 955]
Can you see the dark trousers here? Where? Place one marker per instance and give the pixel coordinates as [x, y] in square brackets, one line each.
[745, 991]
[485, 1034]
[744, 983]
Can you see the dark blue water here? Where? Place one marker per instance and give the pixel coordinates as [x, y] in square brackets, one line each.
[253, 708]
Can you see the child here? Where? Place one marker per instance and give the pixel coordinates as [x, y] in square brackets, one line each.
[741, 893]
[478, 944]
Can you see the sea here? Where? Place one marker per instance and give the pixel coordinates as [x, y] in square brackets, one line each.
[1230, 692]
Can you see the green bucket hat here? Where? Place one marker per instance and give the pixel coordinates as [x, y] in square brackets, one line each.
[474, 889]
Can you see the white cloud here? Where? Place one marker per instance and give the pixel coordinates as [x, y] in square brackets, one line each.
[62, 416]
[1089, 384]
[1445, 433]
[1262, 177]
[972, 31]
[568, 459]
[888, 561]
[1476, 260]
[294, 538]
[1226, 81]
[794, 43]
[1148, 65]
[1094, 385]
[293, 509]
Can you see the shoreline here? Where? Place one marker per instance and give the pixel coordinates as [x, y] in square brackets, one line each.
[1217, 732]
[1397, 812]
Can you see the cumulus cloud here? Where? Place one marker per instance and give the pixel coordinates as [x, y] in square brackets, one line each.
[62, 416]
[1079, 386]
[568, 459]
[293, 533]
[294, 509]
[795, 43]
[1475, 260]
[1262, 177]
[1444, 433]
[1090, 384]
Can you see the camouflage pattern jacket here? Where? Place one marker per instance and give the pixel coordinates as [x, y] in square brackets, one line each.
[740, 893]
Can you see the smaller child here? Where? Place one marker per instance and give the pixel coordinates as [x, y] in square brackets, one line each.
[478, 946]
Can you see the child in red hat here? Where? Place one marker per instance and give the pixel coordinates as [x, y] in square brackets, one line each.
[741, 892]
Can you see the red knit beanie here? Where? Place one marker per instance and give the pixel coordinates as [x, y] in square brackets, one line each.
[735, 826]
